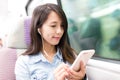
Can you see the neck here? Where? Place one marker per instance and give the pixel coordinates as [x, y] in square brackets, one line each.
[49, 52]
[49, 49]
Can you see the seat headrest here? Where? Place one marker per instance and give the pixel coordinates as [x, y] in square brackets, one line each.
[19, 34]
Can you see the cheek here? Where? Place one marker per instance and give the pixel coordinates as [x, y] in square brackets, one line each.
[47, 35]
[46, 32]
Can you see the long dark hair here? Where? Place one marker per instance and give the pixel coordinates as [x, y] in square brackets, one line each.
[40, 15]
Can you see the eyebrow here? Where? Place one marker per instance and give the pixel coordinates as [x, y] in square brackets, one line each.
[53, 22]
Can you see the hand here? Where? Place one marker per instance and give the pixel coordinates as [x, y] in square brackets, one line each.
[61, 72]
[79, 75]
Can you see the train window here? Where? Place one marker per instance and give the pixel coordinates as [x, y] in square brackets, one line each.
[94, 24]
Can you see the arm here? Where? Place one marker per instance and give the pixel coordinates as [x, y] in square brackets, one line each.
[21, 69]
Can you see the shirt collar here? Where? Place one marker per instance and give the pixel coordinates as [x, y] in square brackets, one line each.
[59, 54]
[39, 57]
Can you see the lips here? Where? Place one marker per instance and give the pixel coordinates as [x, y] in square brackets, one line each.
[57, 38]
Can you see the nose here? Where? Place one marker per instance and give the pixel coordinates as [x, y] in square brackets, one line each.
[59, 30]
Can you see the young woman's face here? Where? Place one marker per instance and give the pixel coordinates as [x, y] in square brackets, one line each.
[52, 30]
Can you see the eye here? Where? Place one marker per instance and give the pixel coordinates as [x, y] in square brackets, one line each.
[53, 25]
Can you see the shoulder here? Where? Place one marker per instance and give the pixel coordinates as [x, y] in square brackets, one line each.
[29, 59]
[23, 62]
[23, 59]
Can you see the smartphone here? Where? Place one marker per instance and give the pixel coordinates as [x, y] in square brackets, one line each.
[84, 56]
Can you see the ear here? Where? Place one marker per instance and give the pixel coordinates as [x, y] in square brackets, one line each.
[39, 31]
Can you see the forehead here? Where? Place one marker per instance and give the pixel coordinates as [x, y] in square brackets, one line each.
[53, 16]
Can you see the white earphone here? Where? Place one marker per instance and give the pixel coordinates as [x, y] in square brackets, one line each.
[39, 31]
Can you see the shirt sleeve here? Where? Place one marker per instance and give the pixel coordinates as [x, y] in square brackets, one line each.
[21, 69]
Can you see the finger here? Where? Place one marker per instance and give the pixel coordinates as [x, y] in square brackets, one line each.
[61, 75]
[74, 75]
[62, 65]
[61, 72]
[80, 74]
[83, 68]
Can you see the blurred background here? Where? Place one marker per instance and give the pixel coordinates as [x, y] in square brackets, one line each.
[93, 24]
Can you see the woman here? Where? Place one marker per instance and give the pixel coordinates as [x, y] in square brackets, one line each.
[49, 55]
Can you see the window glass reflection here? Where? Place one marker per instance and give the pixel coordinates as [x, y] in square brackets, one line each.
[94, 24]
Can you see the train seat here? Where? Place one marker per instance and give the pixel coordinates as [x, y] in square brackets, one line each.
[17, 41]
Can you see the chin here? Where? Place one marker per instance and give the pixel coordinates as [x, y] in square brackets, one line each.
[55, 43]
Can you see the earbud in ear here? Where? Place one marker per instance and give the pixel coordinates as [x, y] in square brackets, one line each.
[39, 31]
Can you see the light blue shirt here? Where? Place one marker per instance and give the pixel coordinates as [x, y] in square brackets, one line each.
[36, 67]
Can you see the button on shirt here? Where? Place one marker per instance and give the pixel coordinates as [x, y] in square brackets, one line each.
[36, 67]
